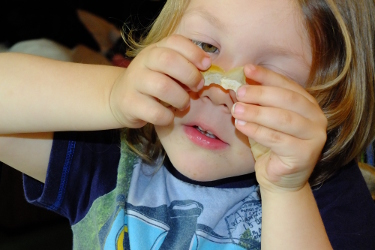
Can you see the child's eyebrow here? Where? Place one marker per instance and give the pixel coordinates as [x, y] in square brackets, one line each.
[287, 52]
[213, 20]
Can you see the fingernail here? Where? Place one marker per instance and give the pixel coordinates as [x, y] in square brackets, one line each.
[186, 107]
[240, 122]
[201, 84]
[234, 108]
[249, 68]
[206, 62]
[252, 67]
[241, 92]
[238, 109]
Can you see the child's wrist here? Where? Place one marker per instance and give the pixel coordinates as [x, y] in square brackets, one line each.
[271, 188]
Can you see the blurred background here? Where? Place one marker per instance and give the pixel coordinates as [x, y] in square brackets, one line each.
[24, 226]
[24, 20]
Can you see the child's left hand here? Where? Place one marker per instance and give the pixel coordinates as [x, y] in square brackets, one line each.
[281, 115]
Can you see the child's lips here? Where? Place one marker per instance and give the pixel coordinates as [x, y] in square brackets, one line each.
[204, 138]
[205, 128]
[206, 132]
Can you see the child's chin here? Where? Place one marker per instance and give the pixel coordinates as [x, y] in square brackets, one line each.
[201, 178]
[199, 170]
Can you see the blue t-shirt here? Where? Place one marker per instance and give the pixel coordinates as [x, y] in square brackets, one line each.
[115, 201]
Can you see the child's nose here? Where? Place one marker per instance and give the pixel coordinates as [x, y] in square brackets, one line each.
[219, 96]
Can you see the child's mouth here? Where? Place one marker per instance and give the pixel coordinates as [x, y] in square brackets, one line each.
[206, 133]
[204, 138]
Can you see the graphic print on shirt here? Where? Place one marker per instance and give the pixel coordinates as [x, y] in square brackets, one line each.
[175, 227]
[141, 214]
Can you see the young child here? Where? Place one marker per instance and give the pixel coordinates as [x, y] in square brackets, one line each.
[182, 175]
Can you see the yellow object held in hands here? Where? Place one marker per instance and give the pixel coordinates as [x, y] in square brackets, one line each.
[232, 79]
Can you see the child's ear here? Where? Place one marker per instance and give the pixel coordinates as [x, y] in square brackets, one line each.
[105, 33]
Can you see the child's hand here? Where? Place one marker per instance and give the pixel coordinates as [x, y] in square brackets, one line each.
[161, 73]
[282, 116]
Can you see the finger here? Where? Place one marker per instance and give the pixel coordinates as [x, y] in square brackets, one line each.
[281, 120]
[151, 111]
[187, 49]
[164, 88]
[267, 137]
[268, 77]
[291, 150]
[233, 96]
[270, 96]
[173, 64]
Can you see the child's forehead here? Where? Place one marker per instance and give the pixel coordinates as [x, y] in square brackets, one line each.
[261, 31]
[242, 8]
[213, 19]
[241, 14]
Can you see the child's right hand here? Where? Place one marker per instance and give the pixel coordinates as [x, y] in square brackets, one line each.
[281, 115]
[162, 72]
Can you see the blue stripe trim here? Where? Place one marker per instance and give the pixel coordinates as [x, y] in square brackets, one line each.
[370, 155]
[64, 175]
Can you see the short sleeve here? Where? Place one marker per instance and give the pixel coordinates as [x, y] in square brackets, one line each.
[82, 167]
[347, 209]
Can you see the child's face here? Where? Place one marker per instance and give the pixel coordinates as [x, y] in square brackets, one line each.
[263, 32]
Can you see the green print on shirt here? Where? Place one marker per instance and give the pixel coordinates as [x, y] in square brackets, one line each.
[86, 232]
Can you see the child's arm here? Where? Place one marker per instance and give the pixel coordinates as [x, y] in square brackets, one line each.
[282, 116]
[44, 95]
[39, 94]
[28, 153]
[291, 220]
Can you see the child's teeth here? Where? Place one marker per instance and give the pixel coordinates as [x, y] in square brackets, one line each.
[207, 133]
[210, 135]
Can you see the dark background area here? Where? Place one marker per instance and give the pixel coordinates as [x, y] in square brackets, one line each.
[23, 20]
[24, 226]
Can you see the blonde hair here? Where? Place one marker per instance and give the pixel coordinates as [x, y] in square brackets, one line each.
[163, 26]
[144, 141]
[342, 34]
[342, 77]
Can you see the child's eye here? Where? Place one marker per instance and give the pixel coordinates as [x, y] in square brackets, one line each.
[209, 48]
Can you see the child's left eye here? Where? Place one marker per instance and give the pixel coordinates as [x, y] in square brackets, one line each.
[209, 48]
